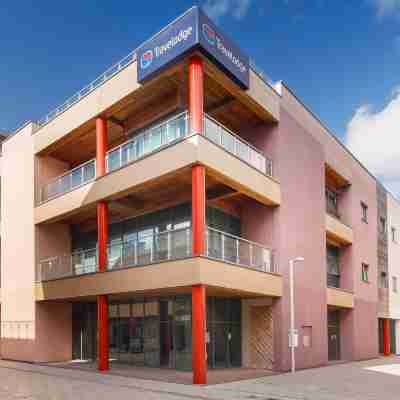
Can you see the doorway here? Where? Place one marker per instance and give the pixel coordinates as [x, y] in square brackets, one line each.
[224, 340]
[333, 335]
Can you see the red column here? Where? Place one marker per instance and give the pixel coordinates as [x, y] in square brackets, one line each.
[196, 101]
[198, 209]
[102, 240]
[101, 145]
[199, 359]
[102, 234]
[196, 95]
[386, 337]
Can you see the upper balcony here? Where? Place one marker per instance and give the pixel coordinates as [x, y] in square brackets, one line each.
[336, 190]
[117, 93]
[160, 150]
[163, 262]
[337, 295]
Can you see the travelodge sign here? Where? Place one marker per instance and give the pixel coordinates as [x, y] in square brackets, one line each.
[192, 31]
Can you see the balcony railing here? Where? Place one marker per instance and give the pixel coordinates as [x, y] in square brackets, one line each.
[233, 249]
[71, 180]
[149, 141]
[233, 144]
[155, 139]
[164, 246]
[104, 77]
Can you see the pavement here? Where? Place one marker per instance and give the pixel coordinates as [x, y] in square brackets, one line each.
[375, 379]
[215, 375]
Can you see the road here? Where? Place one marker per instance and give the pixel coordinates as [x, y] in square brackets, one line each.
[369, 380]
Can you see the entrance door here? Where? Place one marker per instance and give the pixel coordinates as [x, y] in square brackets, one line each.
[333, 335]
[224, 333]
[220, 337]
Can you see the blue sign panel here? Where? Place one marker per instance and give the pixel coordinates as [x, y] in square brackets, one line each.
[223, 51]
[168, 45]
[193, 30]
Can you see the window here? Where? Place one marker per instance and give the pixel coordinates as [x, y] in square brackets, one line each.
[333, 266]
[384, 280]
[394, 234]
[364, 272]
[382, 225]
[331, 203]
[364, 212]
[394, 284]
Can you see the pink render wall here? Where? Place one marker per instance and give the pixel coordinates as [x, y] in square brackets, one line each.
[31, 331]
[300, 147]
[295, 228]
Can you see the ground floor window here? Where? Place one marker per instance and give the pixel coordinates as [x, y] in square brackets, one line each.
[157, 332]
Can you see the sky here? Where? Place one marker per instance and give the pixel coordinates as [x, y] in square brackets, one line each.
[340, 57]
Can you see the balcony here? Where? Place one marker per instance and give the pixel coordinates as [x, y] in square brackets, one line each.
[340, 298]
[162, 263]
[151, 141]
[152, 249]
[155, 159]
[337, 231]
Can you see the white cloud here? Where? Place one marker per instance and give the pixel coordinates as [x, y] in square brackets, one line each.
[216, 9]
[374, 138]
[386, 7]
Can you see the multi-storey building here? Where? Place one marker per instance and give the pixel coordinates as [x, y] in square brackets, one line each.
[388, 273]
[152, 218]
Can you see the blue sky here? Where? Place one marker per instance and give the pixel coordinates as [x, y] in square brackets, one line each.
[338, 56]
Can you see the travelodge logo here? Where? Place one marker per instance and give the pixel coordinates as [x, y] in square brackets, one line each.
[209, 34]
[146, 59]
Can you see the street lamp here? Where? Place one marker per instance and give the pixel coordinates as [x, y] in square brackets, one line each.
[292, 335]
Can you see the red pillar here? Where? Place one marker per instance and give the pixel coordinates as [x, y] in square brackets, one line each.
[386, 337]
[198, 209]
[101, 145]
[196, 94]
[199, 359]
[102, 234]
[196, 105]
[102, 239]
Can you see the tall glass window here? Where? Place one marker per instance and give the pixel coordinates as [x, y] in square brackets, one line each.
[333, 266]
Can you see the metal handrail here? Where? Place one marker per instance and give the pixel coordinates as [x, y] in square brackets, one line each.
[267, 163]
[129, 254]
[77, 269]
[233, 134]
[236, 256]
[141, 136]
[144, 133]
[70, 171]
[239, 238]
[104, 77]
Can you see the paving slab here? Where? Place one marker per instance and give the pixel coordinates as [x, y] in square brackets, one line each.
[368, 380]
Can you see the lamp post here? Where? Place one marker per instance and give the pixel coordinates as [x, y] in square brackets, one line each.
[292, 330]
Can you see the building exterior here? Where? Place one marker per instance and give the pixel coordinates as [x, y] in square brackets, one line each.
[389, 297]
[152, 218]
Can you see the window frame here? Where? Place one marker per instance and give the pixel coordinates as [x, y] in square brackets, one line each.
[383, 280]
[382, 225]
[365, 272]
[364, 212]
[394, 234]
